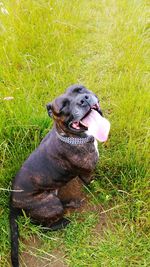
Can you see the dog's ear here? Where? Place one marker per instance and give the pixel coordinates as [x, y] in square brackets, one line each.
[49, 109]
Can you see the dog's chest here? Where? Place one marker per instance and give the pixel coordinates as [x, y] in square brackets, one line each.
[95, 143]
[83, 156]
[96, 147]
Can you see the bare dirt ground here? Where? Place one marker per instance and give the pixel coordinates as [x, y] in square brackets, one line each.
[29, 258]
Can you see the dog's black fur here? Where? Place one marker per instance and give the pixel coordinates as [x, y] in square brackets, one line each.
[53, 164]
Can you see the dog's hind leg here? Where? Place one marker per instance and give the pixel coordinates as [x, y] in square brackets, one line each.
[46, 209]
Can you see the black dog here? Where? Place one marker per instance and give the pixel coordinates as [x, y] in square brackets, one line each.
[66, 152]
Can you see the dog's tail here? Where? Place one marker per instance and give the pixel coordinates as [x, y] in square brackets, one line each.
[14, 233]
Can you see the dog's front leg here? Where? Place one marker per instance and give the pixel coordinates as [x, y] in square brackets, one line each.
[86, 179]
[74, 204]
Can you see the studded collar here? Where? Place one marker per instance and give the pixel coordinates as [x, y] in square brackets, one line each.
[75, 140]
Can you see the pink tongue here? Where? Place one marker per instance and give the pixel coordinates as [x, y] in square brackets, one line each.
[97, 125]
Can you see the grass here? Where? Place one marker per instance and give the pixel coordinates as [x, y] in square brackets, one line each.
[45, 46]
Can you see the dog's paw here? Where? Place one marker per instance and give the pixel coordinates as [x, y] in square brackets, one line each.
[58, 225]
[75, 204]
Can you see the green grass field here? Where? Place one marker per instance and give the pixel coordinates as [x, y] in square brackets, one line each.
[45, 46]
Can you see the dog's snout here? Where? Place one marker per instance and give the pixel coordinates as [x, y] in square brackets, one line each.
[83, 100]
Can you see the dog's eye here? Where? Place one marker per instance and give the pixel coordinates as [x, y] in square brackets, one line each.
[65, 104]
[77, 90]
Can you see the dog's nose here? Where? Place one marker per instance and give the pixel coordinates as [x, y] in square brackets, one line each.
[84, 100]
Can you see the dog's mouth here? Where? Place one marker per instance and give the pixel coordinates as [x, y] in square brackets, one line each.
[82, 124]
[94, 123]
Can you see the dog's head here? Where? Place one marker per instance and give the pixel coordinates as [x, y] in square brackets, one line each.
[70, 109]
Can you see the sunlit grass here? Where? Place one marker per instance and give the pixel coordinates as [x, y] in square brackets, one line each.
[45, 46]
